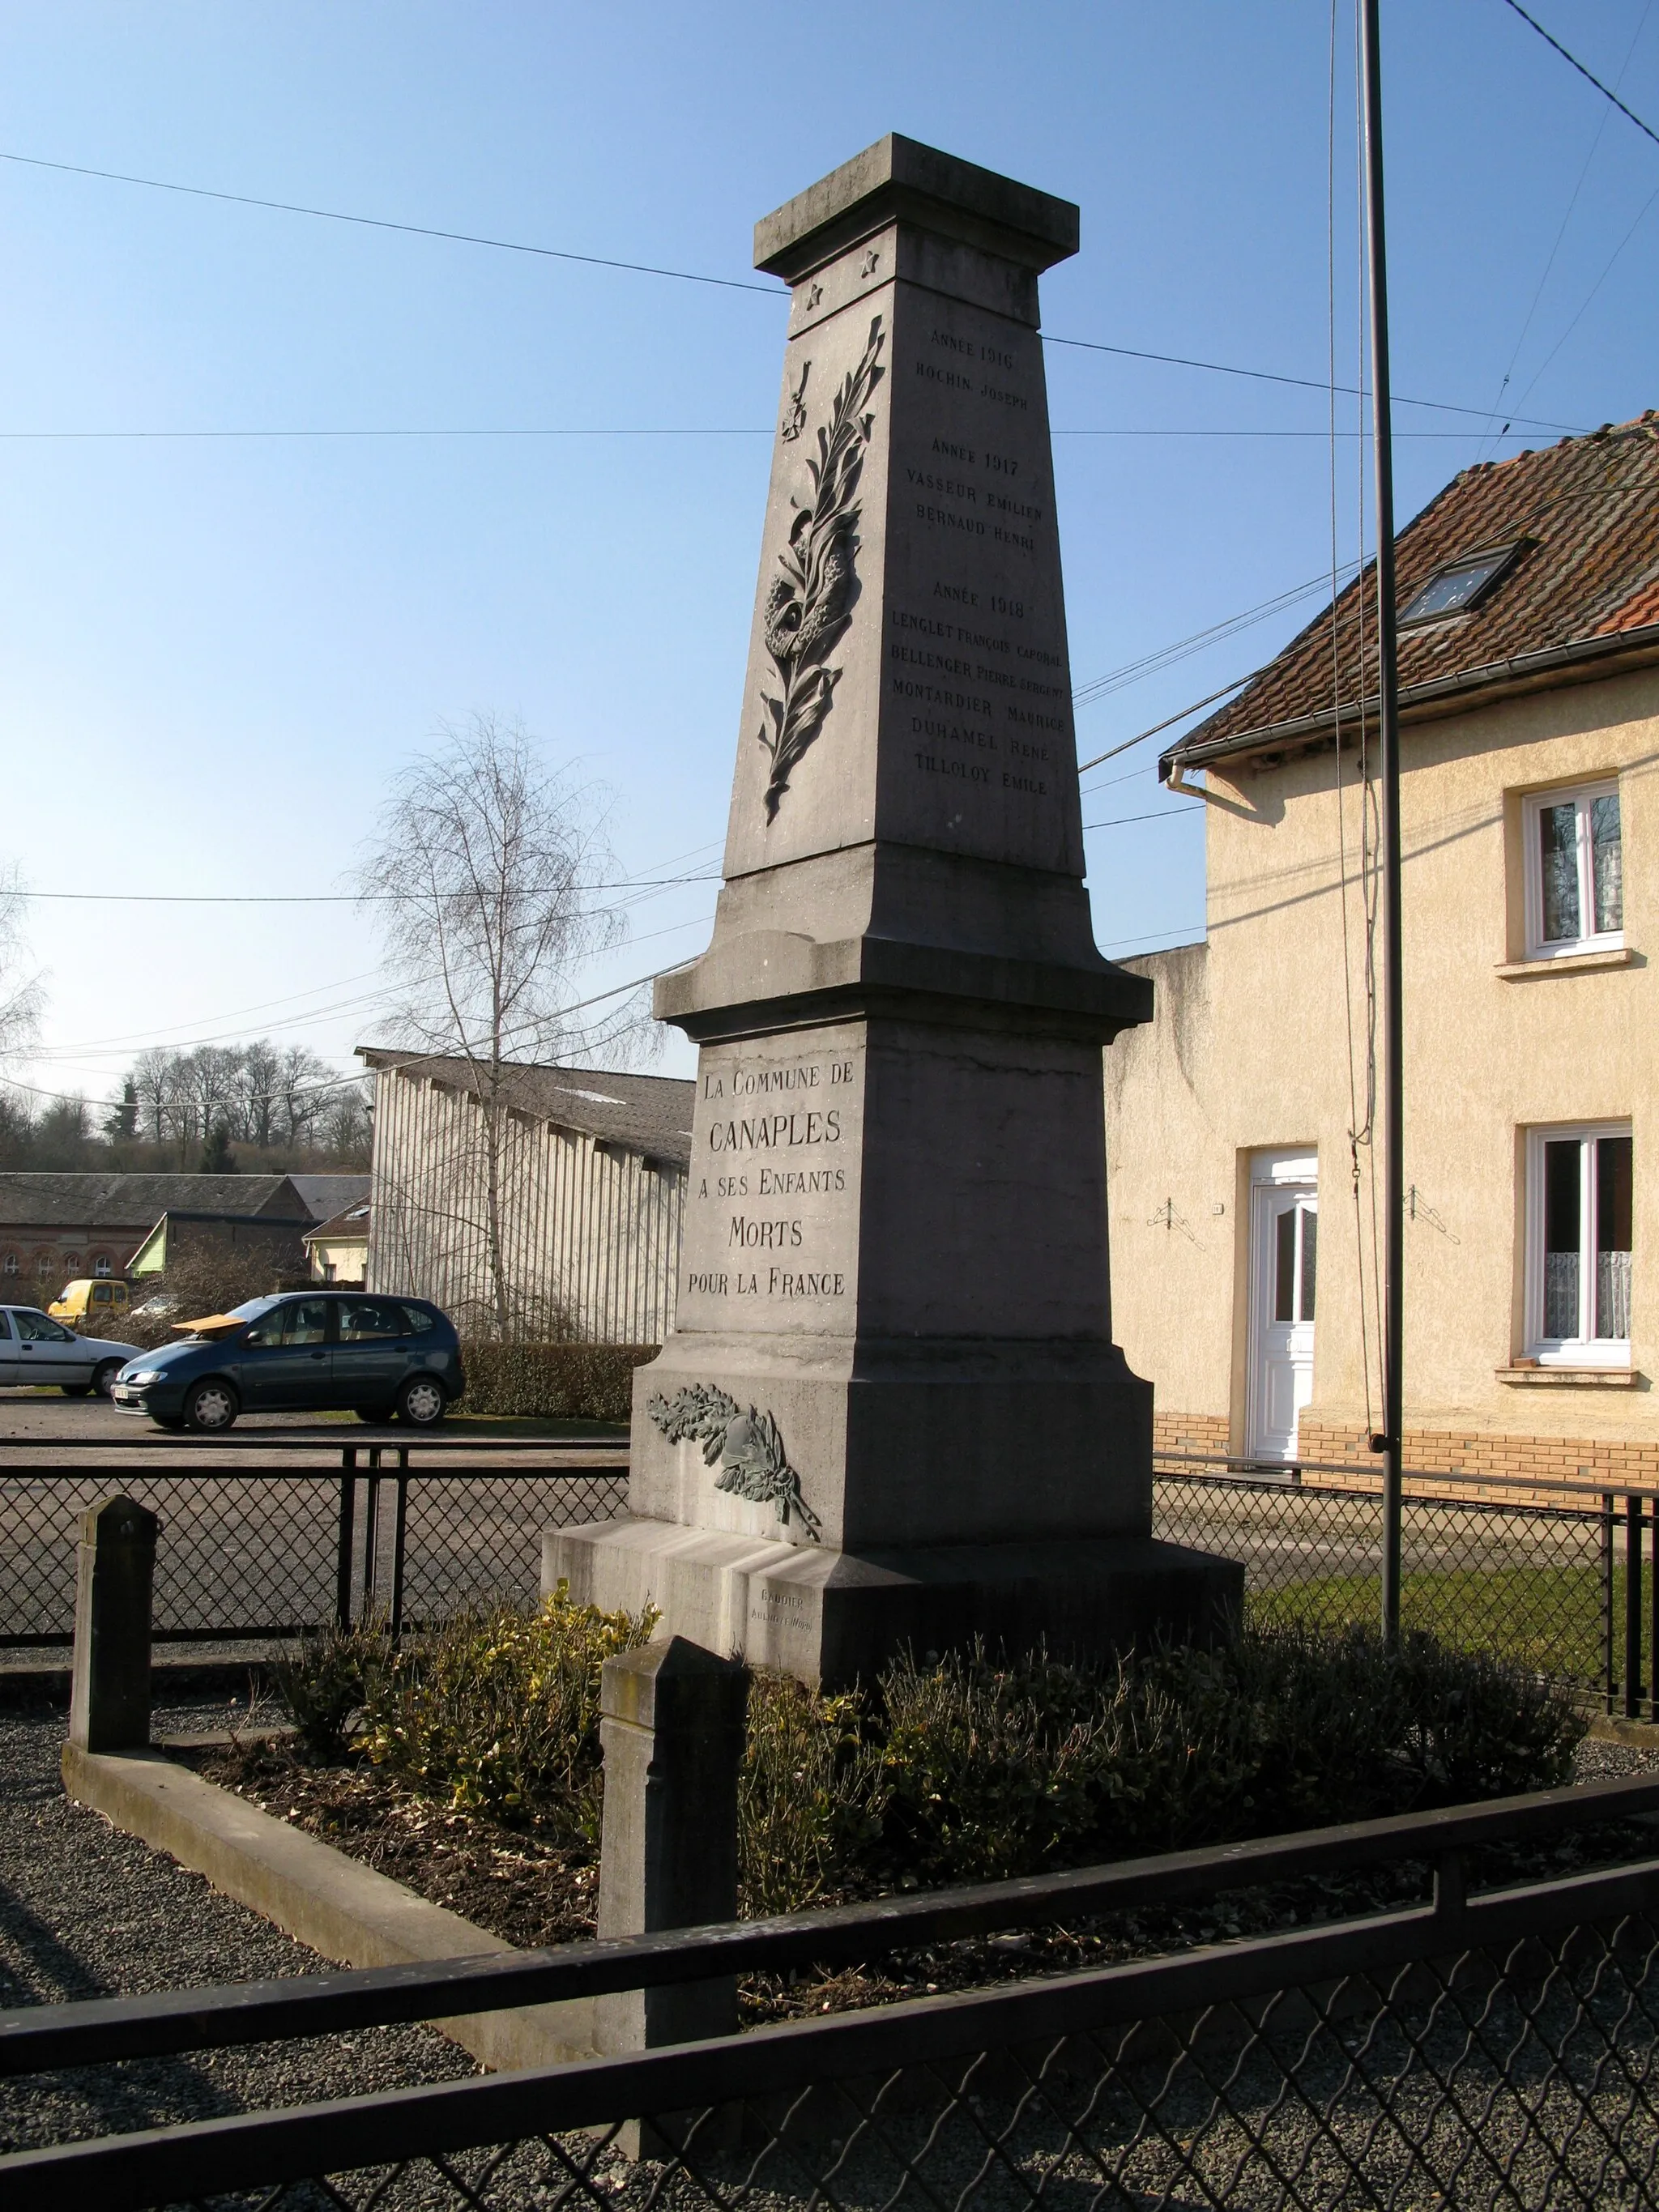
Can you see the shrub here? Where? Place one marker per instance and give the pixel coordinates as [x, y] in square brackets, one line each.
[973, 1768]
[809, 1796]
[497, 1712]
[326, 1683]
[553, 1382]
[208, 1278]
[969, 1768]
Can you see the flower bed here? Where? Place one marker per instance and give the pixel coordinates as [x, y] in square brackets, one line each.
[466, 1765]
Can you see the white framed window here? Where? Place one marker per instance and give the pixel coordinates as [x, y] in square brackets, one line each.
[1575, 871]
[8, 1265]
[101, 1266]
[1580, 1185]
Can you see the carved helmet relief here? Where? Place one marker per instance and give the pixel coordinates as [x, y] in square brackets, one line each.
[810, 604]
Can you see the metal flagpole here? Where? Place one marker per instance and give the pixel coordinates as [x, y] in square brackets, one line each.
[1388, 1442]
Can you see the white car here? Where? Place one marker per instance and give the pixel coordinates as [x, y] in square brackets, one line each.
[34, 1350]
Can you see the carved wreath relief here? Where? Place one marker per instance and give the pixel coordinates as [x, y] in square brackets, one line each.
[752, 1461]
[810, 604]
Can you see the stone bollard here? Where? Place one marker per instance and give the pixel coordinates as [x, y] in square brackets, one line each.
[672, 1723]
[114, 1565]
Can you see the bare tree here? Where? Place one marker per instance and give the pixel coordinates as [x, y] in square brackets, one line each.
[485, 877]
[21, 991]
[259, 1077]
[300, 1088]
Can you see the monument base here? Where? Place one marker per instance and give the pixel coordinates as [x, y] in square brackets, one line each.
[831, 1617]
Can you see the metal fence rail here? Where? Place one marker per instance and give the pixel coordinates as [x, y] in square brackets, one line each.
[1499, 2048]
[273, 1552]
[1563, 1582]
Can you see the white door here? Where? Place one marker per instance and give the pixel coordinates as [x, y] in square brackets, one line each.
[1284, 1274]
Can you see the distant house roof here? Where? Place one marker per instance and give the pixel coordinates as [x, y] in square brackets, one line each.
[324, 1195]
[648, 1114]
[114, 1202]
[1579, 597]
[343, 1227]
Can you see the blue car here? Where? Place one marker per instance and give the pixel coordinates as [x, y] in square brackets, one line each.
[308, 1352]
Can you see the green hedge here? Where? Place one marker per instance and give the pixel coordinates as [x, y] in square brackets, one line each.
[554, 1381]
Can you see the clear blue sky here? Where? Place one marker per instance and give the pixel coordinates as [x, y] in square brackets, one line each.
[213, 652]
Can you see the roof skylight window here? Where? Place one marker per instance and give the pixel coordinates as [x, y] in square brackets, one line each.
[1456, 587]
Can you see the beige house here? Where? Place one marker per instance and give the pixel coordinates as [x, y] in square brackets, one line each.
[1245, 1217]
[590, 1193]
[337, 1250]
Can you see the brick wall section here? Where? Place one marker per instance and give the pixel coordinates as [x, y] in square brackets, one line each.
[1510, 1459]
[1597, 1464]
[1190, 1432]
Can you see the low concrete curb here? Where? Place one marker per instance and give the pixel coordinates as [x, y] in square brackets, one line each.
[342, 1909]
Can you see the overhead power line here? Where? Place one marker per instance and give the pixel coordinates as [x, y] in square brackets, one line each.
[305, 899]
[637, 430]
[1167, 723]
[408, 230]
[688, 276]
[1589, 75]
[1304, 383]
[1158, 814]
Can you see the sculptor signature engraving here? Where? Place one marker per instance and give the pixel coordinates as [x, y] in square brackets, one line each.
[795, 422]
[810, 604]
[753, 1463]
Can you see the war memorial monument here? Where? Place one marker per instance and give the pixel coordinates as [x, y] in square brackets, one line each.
[891, 1412]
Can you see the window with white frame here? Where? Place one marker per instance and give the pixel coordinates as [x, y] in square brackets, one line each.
[1575, 871]
[1578, 1272]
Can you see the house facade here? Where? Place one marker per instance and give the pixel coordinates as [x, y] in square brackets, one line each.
[337, 1250]
[1245, 1187]
[590, 1189]
[56, 1227]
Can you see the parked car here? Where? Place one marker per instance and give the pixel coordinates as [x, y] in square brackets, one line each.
[35, 1349]
[301, 1353]
[101, 1299]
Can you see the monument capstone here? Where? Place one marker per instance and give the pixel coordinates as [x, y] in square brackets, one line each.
[890, 1411]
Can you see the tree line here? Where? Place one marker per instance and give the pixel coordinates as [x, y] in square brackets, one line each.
[270, 1097]
[213, 1107]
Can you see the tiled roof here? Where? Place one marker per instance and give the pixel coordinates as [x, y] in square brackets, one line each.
[136, 1201]
[352, 1222]
[649, 1113]
[1586, 515]
[325, 1195]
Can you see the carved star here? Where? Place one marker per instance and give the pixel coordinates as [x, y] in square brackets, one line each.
[815, 295]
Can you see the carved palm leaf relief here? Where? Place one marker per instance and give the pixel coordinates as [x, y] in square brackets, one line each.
[810, 604]
[745, 1446]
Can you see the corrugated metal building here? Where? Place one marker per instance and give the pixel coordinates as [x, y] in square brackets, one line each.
[591, 1189]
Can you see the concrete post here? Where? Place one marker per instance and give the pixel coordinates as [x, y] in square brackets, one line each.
[672, 1723]
[115, 1565]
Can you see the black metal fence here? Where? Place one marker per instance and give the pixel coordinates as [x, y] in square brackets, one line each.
[264, 1551]
[1484, 2045]
[1563, 1582]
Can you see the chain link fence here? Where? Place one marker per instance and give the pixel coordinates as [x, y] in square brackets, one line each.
[1562, 1583]
[1498, 2048]
[262, 1553]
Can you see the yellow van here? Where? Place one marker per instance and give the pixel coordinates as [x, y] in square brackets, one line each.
[88, 1305]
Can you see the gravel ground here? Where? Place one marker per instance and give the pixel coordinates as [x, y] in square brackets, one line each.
[86, 1912]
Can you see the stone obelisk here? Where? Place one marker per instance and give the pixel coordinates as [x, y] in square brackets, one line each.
[890, 1411]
